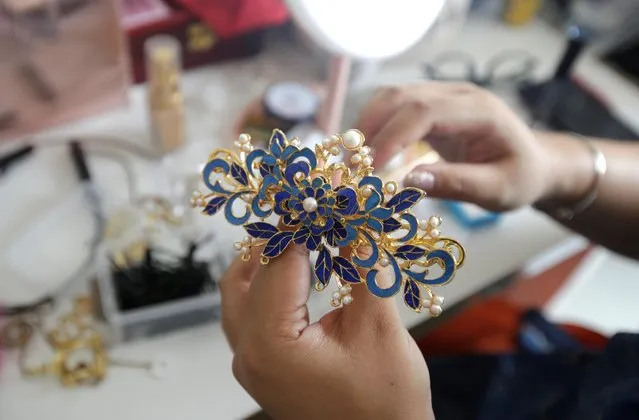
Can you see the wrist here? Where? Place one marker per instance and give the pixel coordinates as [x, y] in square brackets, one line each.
[571, 170]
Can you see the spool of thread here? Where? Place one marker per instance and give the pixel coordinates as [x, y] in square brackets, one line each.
[166, 107]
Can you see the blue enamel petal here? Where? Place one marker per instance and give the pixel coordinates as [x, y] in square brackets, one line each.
[261, 230]
[214, 205]
[381, 213]
[346, 202]
[324, 266]
[351, 234]
[228, 211]
[374, 253]
[255, 154]
[313, 242]
[317, 230]
[330, 223]
[239, 174]
[389, 291]
[345, 270]
[357, 222]
[412, 295]
[405, 199]
[391, 225]
[216, 165]
[301, 235]
[281, 196]
[372, 201]
[269, 160]
[412, 227]
[277, 244]
[410, 252]
[374, 182]
[317, 182]
[449, 267]
[265, 169]
[267, 182]
[294, 169]
[376, 225]
[288, 152]
[257, 210]
[306, 154]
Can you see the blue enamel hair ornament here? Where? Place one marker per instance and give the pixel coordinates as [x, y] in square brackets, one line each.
[368, 220]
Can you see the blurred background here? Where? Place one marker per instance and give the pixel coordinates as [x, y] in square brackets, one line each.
[109, 305]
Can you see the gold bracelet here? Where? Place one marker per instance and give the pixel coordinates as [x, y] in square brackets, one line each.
[600, 167]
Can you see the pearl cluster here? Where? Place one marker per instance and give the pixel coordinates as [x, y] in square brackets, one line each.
[431, 226]
[198, 200]
[433, 304]
[244, 143]
[342, 296]
[243, 247]
[362, 157]
[332, 144]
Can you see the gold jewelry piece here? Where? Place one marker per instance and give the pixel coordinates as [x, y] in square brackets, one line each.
[362, 213]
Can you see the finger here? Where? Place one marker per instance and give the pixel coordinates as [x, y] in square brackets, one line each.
[410, 123]
[367, 309]
[480, 184]
[234, 287]
[278, 295]
[381, 106]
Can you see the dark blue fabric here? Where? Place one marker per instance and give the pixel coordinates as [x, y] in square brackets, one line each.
[551, 377]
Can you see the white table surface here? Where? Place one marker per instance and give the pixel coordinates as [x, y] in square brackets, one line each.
[201, 385]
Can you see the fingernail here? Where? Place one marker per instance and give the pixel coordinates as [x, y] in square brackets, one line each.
[420, 179]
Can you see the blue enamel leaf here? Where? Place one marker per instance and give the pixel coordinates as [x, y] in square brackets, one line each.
[324, 266]
[277, 143]
[277, 244]
[405, 199]
[351, 234]
[345, 270]
[410, 252]
[301, 235]
[239, 174]
[381, 213]
[259, 211]
[289, 221]
[214, 205]
[391, 225]
[313, 242]
[412, 295]
[374, 253]
[261, 230]
[266, 169]
[372, 201]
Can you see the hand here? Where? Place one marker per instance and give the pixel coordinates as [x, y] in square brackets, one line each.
[491, 158]
[357, 362]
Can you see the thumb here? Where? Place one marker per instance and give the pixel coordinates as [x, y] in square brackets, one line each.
[481, 184]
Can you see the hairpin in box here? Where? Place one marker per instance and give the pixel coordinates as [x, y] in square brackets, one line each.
[370, 218]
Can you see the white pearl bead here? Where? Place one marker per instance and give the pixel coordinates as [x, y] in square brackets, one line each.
[435, 221]
[334, 150]
[352, 139]
[426, 302]
[334, 139]
[435, 310]
[367, 191]
[366, 150]
[327, 143]
[309, 204]
[367, 161]
[295, 142]
[423, 225]
[435, 233]
[438, 300]
[336, 302]
[237, 246]
[337, 296]
[347, 300]
[355, 159]
[244, 138]
[384, 262]
[345, 290]
[247, 147]
[391, 187]
[244, 250]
